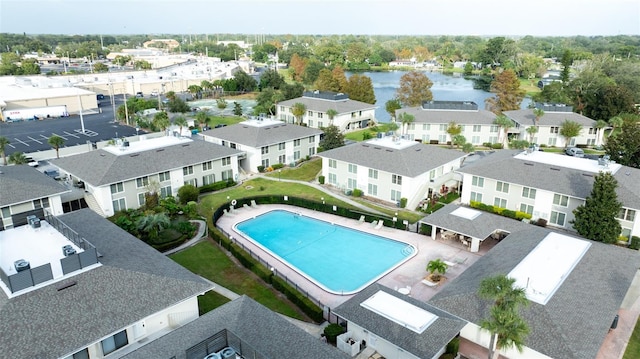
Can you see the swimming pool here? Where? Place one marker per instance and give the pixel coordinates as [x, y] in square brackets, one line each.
[338, 259]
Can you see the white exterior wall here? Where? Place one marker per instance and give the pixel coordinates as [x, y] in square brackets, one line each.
[544, 135]
[427, 132]
[55, 207]
[382, 346]
[475, 334]
[102, 195]
[321, 119]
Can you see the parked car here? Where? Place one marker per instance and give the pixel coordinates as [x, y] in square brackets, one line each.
[574, 151]
[139, 94]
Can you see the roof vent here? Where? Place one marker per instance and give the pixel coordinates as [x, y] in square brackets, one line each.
[160, 150]
[554, 169]
[134, 155]
[528, 164]
[587, 174]
[66, 285]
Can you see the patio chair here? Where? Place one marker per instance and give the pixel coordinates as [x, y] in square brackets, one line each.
[361, 219]
[374, 223]
[254, 204]
[380, 224]
[245, 205]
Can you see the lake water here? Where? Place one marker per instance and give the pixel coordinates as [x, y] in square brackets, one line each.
[445, 88]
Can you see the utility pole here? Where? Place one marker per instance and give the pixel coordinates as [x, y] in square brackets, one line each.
[126, 110]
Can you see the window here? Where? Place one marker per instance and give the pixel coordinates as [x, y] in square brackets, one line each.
[396, 195]
[353, 168]
[193, 182]
[165, 176]
[227, 175]
[476, 197]
[320, 114]
[265, 163]
[500, 202]
[477, 128]
[119, 204]
[312, 139]
[142, 199]
[226, 161]
[296, 143]
[352, 183]
[320, 124]
[312, 151]
[552, 141]
[264, 150]
[332, 163]
[461, 128]
[41, 203]
[493, 139]
[142, 182]
[224, 143]
[208, 179]
[426, 138]
[296, 155]
[557, 218]
[502, 187]
[281, 108]
[592, 131]
[411, 126]
[553, 129]
[493, 128]
[591, 141]
[232, 145]
[442, 138]
[560, 200]
[117, 188]
[372, 189]
[627, 214]
[281, 146]
[396, 179]
[333, 178]
[443, 127]
[528, 192]
[432, 174]
[426, 127]
[475, 140]
[114, 343]
[353, 115]
[373, 173]
[477, 181]
[6, 212]
[165, 191]
[310, 122]
[310, 113]
[207, 166]
[187, 170]
[83, 354]
[282, 158]
[526, 208]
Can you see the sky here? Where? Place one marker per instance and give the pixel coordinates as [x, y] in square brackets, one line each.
[357, 17]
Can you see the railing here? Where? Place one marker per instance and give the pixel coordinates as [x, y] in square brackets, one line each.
[72, 235]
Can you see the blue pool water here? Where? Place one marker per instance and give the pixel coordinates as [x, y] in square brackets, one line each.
[340, 260]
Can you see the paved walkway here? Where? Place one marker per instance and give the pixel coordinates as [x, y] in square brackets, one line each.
[202, 233]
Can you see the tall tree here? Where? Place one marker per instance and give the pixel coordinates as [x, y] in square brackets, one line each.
[331, 113]
[615, 122]
[531, 131]
[271, 78]
[569, 130]
[415, 88]
[624, 147]
[340, 77]
[508, 329]
[360, 88]
[18, 158]
[56, 142]
[391, 106]
[298, 110]
[181, 122]
[326, 81]
[508, 94]
[566, 60]
[406, 119]
[332, 138]
[596, 218]
[538, 113]
[505, 123]
[202, 117]
[3, 148]
[161, 121]
[453, 129]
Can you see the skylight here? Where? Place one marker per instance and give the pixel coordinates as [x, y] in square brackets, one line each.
[466, 213]
[546, 267]
[395, 309]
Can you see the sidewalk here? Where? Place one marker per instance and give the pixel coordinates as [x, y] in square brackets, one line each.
[202, 232]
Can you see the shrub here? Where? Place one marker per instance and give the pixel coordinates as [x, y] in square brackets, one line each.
[509, 213]
[357, 192]
[497, 146]
[425, 229]
[635, 242]
[278, 166]
[321, 179]
[403, 202]
[306, 305]
[188, 193]
[261, 169]
[453, 346]
[332, 331]
[522, 215]
[216, 186]
[486, 144]
[541, 222]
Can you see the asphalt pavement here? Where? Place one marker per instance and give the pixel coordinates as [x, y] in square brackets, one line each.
[32, 136]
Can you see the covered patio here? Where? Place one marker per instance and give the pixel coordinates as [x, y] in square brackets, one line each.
[469, 228]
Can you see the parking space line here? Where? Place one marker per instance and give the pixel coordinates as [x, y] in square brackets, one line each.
[71, 134]
[55, 134]
[24, 143]
[87, 133]
[33, 139]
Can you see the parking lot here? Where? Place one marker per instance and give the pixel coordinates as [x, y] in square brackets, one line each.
[32, 136]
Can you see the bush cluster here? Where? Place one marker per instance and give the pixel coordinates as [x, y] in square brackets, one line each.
[501, 211]
[216, 186]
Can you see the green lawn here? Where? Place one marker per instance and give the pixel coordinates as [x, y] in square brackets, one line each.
[358, 135]
[209, 261]
[307, 171]
[633, 347]
[224, 120]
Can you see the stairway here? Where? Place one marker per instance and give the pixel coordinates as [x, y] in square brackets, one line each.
[93, 204]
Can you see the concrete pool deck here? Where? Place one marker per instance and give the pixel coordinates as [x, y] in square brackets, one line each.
[410, 274]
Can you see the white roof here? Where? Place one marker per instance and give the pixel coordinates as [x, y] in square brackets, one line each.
[466, 213]
[399, 311]
[546, 267]
[581, 164]
[393, 142]
[145, 145]
[13, 89]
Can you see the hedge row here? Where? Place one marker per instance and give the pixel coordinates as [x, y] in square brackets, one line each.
[501, 211]
[306, 305]
[635, 242]
[216, 186]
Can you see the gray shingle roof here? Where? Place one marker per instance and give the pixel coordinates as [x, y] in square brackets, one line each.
[480, 227]
[575, 321]
[259, 136]
[320, 105]
[501, 166]
[23, 183]
[133, 282]
[101, 167]
[424, 345]
[410, 161]
[526, 118]
[479, 117]
[267, 332]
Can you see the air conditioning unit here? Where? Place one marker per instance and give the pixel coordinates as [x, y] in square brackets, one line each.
[68, 250]
[33, 221]
[227, 353]
[21, 265]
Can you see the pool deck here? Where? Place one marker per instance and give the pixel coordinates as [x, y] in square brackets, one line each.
[405, 278]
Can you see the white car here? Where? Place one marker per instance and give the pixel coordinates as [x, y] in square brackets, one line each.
[154, 93]
[574, 151]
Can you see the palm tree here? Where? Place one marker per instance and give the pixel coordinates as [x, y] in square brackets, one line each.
[615, 122]
[538, 113]
[406, 119]
[507, 328]
[531, 130]
[18, 158]
[152, 224]
[298, 110]
[436, 268]
[170, 95]
[393, 126]
[56, 142]
[453, 130]
[181, 122]
[600, 124]
[3, 146]
[391, 106]
[505, 123]
[331, 113]
[202, 117]
[161, 121]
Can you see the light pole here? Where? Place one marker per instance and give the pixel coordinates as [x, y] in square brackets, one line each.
[279, 172]
[126, 109]
[80, 105]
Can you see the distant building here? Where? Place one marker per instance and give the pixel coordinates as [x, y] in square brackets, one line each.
[163, 43]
